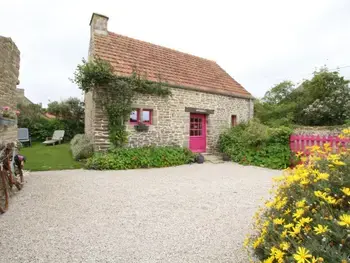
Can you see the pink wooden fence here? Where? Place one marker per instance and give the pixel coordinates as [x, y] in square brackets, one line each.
[300, 143]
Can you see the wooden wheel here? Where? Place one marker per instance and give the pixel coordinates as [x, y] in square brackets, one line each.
[4, 195]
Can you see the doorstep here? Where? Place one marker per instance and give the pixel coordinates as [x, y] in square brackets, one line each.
[211, 158]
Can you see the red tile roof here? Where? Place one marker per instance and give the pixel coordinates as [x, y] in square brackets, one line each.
[171, 66]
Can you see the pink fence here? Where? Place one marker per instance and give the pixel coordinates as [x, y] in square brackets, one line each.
[300, 143]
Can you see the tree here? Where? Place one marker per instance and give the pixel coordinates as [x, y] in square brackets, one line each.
[279, 93]
[276, 108]
[29, 114]
[325, 99]
[69, 109]
[322, 100]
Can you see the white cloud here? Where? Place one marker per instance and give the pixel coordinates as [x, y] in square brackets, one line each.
[258, 42]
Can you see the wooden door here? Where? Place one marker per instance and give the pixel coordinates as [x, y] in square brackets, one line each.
[198, 132]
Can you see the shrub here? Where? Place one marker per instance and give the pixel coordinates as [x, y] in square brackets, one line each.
[144, 157]
[257, 144]
[309, 215]
[81, 147]
[42, 127]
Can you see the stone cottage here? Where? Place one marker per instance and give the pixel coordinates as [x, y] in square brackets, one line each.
[205, 99]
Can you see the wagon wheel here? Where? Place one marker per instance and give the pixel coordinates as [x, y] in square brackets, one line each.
[4, 195]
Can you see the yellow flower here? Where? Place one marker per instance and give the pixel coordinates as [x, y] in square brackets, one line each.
[333, 157]
[304, 181]
[287, 212]
[284, 234]
[302, 255]
[278, 221]
[285, 246]
[337, 162]
[322, 176]
[298, 213]
[246, 242]
[269, 204]
[346, 131]
[331, 200]
[305, 220]
[301, 203]
[346, 191]
[279, 255]
[320, 194]
[257, 242]
[344, 220]
[280, 203]
[290, 225]
[296, 231]
[266, 223]
[269, 260]
[320, 229]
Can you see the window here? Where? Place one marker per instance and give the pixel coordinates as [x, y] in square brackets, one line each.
[147, 116]
[134, 116]
[233, 120]
[196, 127]
[141, 115]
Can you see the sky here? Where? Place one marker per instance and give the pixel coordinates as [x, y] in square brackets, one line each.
[259, 43]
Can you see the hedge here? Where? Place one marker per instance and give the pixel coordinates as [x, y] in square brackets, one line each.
[256, 144]
[143, 157]
[42, 128]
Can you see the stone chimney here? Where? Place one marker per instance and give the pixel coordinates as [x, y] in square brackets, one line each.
[98, 24]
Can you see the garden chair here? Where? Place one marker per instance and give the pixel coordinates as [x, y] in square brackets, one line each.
[57, 137]
[23, 136]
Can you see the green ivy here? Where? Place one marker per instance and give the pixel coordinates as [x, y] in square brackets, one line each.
[257, 144]
[115, 93]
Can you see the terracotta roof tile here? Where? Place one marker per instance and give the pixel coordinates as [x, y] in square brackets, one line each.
[177, 68]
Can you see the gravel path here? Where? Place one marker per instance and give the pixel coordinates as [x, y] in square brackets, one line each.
[194, 213]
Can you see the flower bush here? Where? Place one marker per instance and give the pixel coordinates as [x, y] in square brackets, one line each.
[7, 113]
[308, 220]
[81, 147]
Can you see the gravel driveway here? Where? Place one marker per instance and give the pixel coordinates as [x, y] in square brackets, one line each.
[193, 213]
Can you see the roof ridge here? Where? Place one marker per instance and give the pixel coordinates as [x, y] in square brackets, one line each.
[172, 49]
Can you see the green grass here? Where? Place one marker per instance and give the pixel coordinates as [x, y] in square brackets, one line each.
[45, 158]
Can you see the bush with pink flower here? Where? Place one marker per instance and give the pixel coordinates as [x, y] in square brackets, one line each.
[7, 113]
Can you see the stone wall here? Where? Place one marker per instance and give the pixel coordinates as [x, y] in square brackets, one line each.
[170, 125]
[318, 131]
[9, 72]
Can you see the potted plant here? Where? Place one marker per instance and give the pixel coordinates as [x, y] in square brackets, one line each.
[141, 127]
[7, 116]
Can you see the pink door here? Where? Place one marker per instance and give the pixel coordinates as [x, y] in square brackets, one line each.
[198, 133]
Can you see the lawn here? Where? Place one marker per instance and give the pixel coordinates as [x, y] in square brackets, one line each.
[44, 158]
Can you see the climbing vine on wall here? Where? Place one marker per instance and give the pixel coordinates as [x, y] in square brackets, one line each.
[115, 93]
